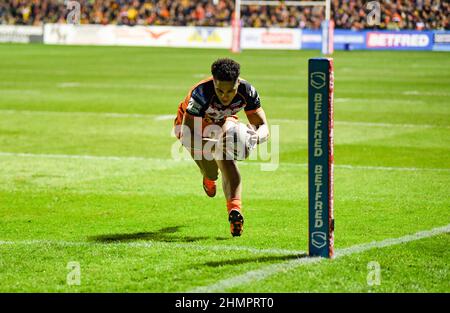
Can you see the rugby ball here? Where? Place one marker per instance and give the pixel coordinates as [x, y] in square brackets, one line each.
[234, 143]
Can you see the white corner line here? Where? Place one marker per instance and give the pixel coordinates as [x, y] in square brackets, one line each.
[267, 271]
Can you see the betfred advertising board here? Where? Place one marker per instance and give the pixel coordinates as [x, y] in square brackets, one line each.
[405, 40]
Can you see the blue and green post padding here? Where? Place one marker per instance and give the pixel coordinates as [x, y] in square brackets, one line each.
[320, 157]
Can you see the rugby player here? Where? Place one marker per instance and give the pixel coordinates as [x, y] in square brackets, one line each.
[215, 102]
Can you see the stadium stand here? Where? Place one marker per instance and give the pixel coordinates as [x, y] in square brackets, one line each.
[347, 14]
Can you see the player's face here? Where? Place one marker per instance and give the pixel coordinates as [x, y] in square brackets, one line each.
[226, 90]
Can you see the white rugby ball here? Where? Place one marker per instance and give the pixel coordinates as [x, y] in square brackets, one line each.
[235, 142]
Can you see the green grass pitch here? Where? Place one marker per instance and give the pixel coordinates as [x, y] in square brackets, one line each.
[80, 184]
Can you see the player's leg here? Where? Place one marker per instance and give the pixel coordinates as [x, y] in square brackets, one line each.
[231, 183]
[231, 180]
[208, 169]
[210, 172]
[205, 163]
[232, 188]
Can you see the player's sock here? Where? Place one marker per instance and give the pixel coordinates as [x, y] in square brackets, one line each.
[233, 203]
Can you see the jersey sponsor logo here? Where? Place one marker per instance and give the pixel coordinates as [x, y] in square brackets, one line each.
[236, 104]
[217, 114]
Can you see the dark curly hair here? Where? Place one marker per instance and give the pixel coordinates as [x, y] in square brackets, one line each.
[225, 70]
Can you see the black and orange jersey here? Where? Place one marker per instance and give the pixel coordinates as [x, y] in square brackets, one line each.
[202, 101]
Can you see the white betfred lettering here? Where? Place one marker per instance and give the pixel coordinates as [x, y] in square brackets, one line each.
[423, 40]
[397, 40]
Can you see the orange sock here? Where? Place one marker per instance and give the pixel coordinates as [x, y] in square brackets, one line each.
[233, 203]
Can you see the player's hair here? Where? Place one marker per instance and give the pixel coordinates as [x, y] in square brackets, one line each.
[225, 70]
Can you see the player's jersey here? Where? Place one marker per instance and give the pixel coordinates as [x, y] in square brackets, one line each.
[202, 101]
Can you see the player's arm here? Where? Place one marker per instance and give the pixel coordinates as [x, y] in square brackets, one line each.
[188, 132]
[256, 116]
[258, 121]
[191, 130]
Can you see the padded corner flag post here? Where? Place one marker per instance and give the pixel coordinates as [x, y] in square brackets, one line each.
[320, 157]
[327, 37]
[236, 35]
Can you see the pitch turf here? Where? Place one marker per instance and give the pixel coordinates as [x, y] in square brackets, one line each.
[136, 220]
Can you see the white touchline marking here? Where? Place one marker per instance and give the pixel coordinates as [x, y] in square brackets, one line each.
[161, 117]
[68, 85]
[86, 157]
[80, 114]
[267, 271]
[364, 124]
[343, 100]
[174, 161]
[200, 75]
[119, 85]
[165, 117]
[390, 168]
[393, 241]
[21, 91]
[396, 101]
[390, 125]
[153, 244]
[361, 167]
[426, 93]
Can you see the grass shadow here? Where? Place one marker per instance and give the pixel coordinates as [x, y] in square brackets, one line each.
[223, 238]
[165, 234]
[256, 259]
